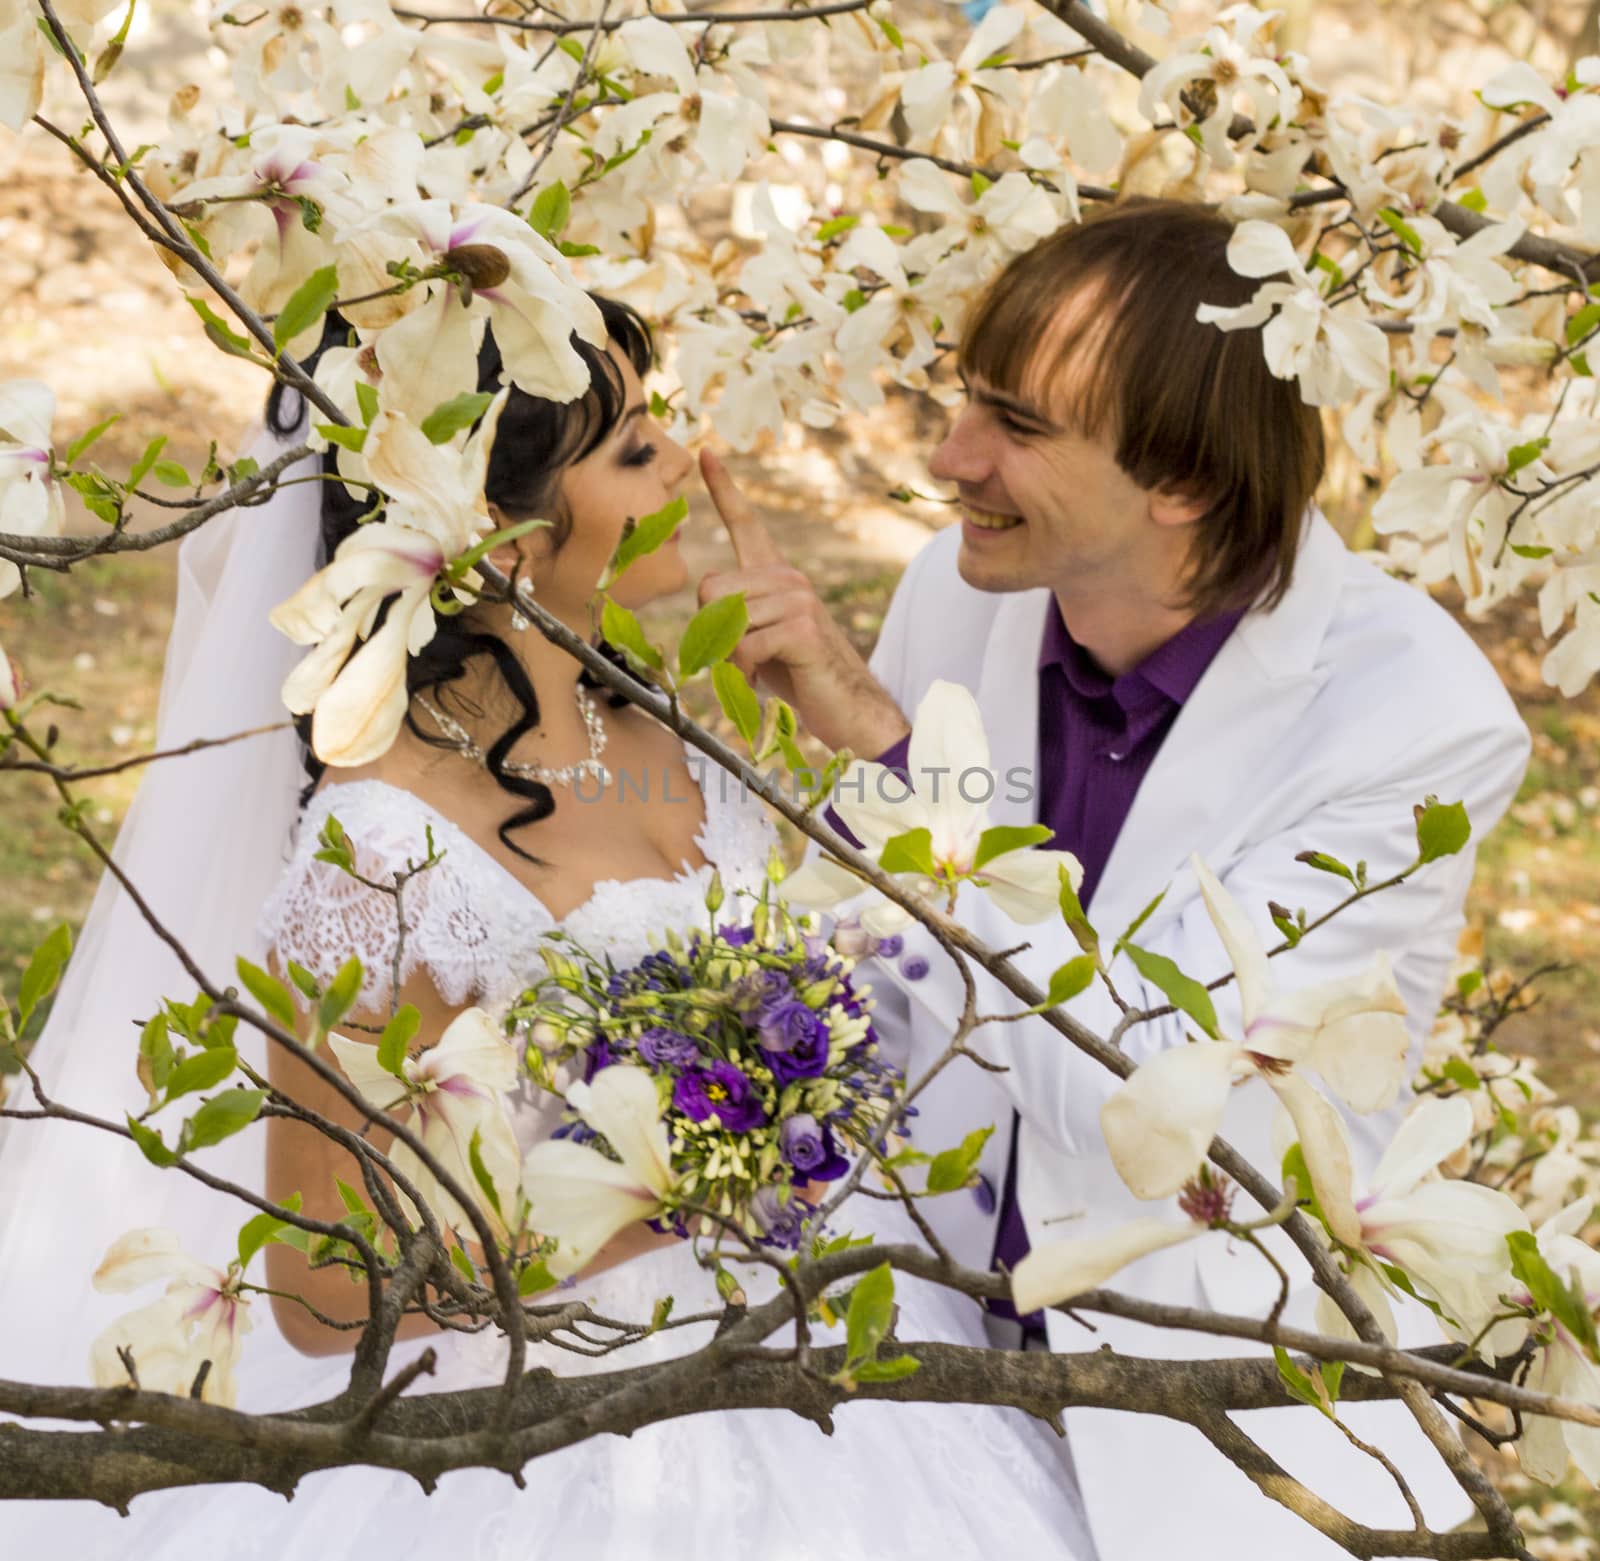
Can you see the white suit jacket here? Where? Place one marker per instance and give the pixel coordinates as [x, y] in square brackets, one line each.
[1318, 725]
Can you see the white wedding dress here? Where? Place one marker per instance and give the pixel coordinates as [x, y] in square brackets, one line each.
[949, 1480]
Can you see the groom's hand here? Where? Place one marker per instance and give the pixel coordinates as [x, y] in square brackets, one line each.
[793, 648]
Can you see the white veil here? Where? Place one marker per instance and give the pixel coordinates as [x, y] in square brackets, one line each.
[203, 841]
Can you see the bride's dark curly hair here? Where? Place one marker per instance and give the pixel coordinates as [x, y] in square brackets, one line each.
[536, 441]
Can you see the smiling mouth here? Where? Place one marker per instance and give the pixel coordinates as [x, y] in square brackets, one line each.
[987, 520]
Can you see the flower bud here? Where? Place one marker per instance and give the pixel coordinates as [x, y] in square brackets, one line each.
[715, 894]
[480, 265]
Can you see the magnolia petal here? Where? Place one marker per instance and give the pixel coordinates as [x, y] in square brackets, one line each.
[1327, 1152]
[314, 673]
[156, 1338]
[1361, 1044]
[427, 357]
[359, 1059]
[877, 805]
[582, 1199]
[1026, 884]
[27, 409]
[1159, 1124]
[1431, 1133]
[139, 1257]
[819, 885]
[623, 1106]
[1331, 1321]
[657, 49]
[1239, 939]
[1262, 249]
[357, 720]
[474, 1047]
[22, 63]
[1059, 1270]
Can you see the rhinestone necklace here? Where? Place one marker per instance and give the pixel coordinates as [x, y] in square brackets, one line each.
[565, 776]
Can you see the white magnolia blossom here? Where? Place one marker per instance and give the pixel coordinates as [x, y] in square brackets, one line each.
[1572, 589]
[1352, 1032]
[948, 748]
[435, 511]
[30, 498]
[24, 52]
[451, 1092]
[1329, 351]
[201, 1316]
[955, 98]
[1447, 1237]
[1564, 1368]
[1230, 59]
[582, 1197]
[1546, 160]
[1452, 282]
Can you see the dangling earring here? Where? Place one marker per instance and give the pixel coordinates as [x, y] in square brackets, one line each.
[519, 623]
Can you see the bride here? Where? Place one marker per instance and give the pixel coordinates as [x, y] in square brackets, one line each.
[553, 806]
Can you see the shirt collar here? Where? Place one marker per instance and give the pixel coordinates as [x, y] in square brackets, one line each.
[1171, 670]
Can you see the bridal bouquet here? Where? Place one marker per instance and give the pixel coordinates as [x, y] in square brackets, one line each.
[762, 1071]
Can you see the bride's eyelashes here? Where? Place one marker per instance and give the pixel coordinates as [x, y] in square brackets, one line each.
[641, 455]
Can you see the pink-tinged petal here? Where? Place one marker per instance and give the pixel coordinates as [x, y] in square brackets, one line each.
[315, 672]
[158, 1339]
[27, 410]
[1058, 1270]
[475, 1047]
[1239, 940]
[582, 1199]
[1026, 885]
[1431, 1133]
[1160, 1123]
[427, 357]
[1326, 1148]
[624, 1107]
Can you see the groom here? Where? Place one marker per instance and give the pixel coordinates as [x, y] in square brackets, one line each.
[1182, 655]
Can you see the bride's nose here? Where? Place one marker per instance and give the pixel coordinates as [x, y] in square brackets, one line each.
[679, 463]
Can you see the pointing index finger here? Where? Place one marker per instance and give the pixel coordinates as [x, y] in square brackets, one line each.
[752, 543]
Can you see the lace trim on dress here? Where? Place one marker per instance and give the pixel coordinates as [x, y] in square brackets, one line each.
[471, 926]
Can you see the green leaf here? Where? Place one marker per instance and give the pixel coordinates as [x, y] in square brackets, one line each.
[222, 1116]
[1326, 864]
[1294, 1165]
[911, 852]
[1143, 916]
[1332, 1376]
[267, 990]
[1068, 980]
[220, 333]
[1564, 1301]
[345, 438]
[480, 549]
[142, 466]
[1580, 365]
[1459, 1072]
[1581, 323]
[834, 226]
[738, 700]
[1402, 230]
[43, 972]
[952, 1169]
[999, 839]
[871, 1308]
[340, 995]
[891, 1370]
[352, 1200]
[306, 305]
[1529, 550]
[1442, 830]
[151, 1144]
[367, 400]
[980, 183]
[642, 537]
[304, 981]
[447, 419]
[155, 1047]
[536, 1277]
[712, 634]
[1473, 200]
[1297, 1384]
[397, 1036]
[551, 210]
[201, 1070]
[1072, 913]
[463, 1263]
[83, 441]
[1522, 455]
[1182, 991]
[480, 1172]
[622, 629]
[172, 474]
[256, 1232]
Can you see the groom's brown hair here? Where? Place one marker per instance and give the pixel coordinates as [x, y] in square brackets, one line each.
[1190, 407]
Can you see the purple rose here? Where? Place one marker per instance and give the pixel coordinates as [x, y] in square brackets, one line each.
[721, 1091]
[809, 1147]
[788, 1023]
[662, 1048]
[806, 1059]
[736, 936]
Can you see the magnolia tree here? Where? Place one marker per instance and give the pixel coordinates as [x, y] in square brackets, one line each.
[1426, 278]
